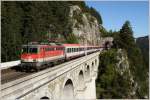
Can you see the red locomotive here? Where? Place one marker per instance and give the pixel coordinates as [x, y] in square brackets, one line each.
[37, 56]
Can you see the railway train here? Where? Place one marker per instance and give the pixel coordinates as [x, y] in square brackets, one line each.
[36, 56]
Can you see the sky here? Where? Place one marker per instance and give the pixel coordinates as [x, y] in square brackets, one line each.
[115, 13]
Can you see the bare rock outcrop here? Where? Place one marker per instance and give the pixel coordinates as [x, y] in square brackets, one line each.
[84, 26]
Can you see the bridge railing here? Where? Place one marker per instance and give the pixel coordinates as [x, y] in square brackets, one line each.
[10, 64]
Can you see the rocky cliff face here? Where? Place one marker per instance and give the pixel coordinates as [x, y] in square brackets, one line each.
[123, 69]
[84, 26]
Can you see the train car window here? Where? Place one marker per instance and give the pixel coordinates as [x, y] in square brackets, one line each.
[46, 49]
[68, 50]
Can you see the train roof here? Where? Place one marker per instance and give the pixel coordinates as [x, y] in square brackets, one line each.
[71, 45]
[42, 45]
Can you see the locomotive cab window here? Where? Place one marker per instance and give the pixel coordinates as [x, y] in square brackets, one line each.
[33, 50]
[24, 50]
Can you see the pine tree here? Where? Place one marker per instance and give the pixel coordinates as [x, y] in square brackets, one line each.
[126, 36]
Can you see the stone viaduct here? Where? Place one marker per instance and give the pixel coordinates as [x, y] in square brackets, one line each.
[71, 80]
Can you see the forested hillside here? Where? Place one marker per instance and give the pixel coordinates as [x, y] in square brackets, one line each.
[143, 44]
[28, 21]
[110, 84]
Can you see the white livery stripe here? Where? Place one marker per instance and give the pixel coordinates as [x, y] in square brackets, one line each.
[44, 59]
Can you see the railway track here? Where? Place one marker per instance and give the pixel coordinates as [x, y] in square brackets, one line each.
[8, 75]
